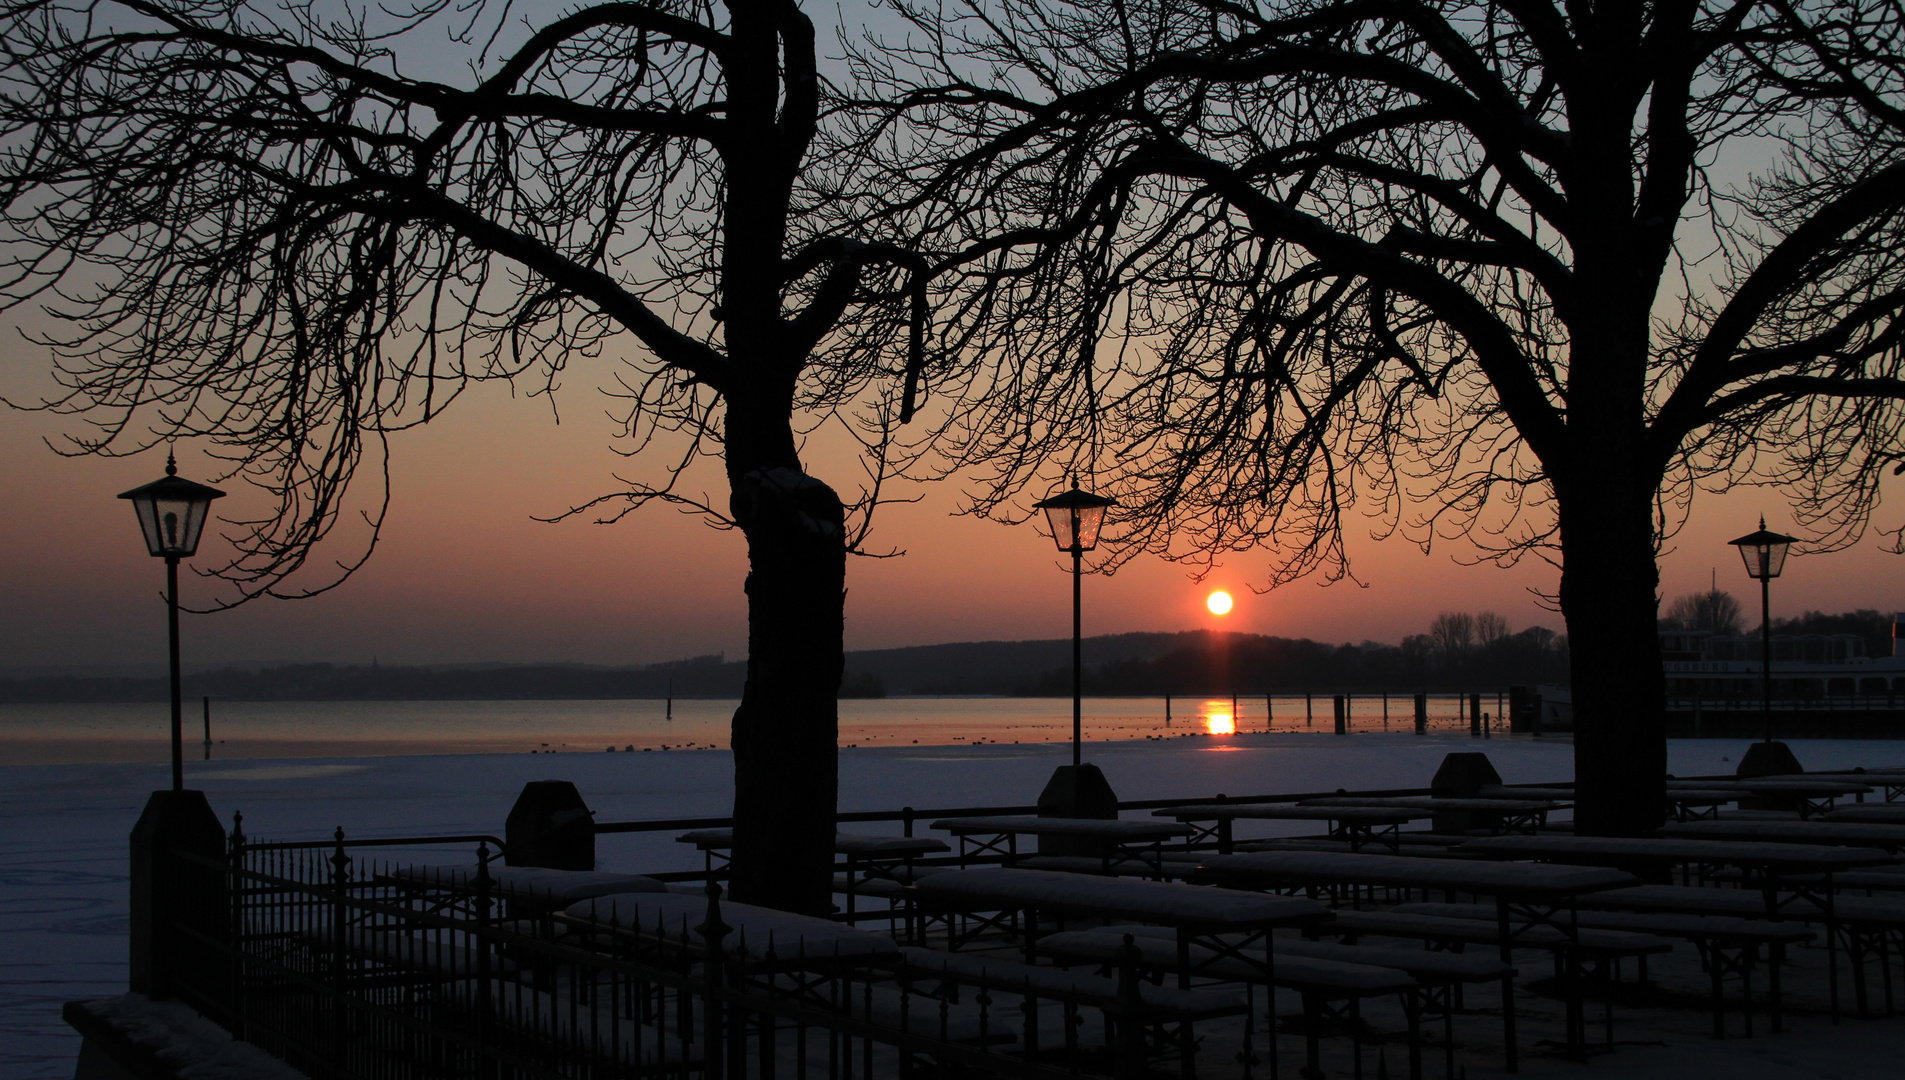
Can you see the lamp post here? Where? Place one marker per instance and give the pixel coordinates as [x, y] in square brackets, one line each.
[1075, 518]
[172, 516]
[1765, 556]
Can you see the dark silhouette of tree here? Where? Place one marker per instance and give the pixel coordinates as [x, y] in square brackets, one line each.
[1715, 610]
[291, 230]
[1530, 273]
[1454, 634]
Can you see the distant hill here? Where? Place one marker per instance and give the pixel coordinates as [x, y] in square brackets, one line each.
[1000, 667]
[1191, 662]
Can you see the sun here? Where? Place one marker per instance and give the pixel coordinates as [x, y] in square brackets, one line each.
[1219, 603]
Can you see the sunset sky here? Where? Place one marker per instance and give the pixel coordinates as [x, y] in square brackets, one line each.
[465, 573]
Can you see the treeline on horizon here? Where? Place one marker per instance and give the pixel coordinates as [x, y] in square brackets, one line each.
[1460, 651]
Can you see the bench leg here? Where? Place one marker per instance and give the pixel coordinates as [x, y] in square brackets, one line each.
[1356, 1037]
[1511, 1061]
[1711, 954]
[1412, 1008]
[1312, 1068]
[1448, 1043]
[1775, 958]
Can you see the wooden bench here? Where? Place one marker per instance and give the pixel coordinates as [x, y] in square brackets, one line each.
[1320, 983]
[1866, 925]
[1439, 976]
[1030, 984]
[1728, 946]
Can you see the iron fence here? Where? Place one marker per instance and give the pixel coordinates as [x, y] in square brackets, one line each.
[330, 958]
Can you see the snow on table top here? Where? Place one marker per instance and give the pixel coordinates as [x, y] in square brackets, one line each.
[1107, 828]
[1531, 880]
[1362, 815]
[1792, 832]
[1675, 849]
[532, 882]
[1803, 785]
[1189, 906]
[843, 843]
[756, 929]
[1503, 791]
[1430, 802]
[1879, 814]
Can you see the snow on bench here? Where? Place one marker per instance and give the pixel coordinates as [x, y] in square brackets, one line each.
[1722, 928]
[554, 888]
[757, 930]
[1447, 931]
[995, 973]
[1879, 913]
[1119, 898]
[1869, 814]
[1137, 864]
[1859, 833]
[1422, 964]
[1328, 978]
[1525, 881]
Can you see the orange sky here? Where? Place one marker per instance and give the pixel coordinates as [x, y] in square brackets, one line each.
[466, 574]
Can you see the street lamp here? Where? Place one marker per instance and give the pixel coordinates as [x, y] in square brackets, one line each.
[172, 515]
[1765, 555]
[1075, 518]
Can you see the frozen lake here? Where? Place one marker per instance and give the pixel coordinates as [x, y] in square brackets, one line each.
[117, 731]
[63, 828]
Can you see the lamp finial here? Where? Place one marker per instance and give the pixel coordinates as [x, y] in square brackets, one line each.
[171, 463]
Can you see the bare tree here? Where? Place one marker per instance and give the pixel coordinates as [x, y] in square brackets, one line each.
[291, 229]
[1490, 629]
[1522, 272]
[1716, 611]
[1454, 634]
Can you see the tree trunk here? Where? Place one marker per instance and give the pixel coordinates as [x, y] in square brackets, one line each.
[786, 732]
[1609, 585]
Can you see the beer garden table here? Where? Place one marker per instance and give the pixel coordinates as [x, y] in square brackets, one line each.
[1220, 923]
[1525, 896]
[1786, 874]
[999, 835]
[1360, 825]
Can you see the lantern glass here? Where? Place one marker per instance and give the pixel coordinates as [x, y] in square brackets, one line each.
[1764, 552]
[1076, 517]
[172, 515]
[1075, 526]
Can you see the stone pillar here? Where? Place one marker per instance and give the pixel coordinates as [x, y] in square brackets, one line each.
[1076, 791]
[550, 826]
[181, 915]
[1461, 777]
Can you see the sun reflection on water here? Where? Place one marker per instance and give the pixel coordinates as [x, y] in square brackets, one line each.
[1220, 723]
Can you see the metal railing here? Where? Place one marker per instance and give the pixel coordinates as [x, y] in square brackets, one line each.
[330, 956]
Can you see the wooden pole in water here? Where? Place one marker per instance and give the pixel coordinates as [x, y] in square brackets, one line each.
[671, 698]
[1167, 710]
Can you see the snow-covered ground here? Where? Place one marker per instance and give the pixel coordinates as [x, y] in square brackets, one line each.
[63, 828]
